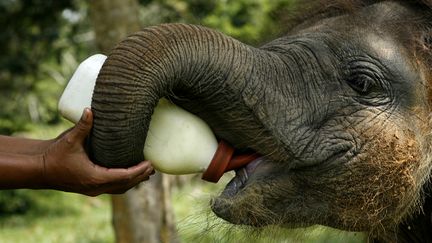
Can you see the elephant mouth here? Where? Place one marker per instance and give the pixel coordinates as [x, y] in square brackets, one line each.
[242, 177]
[234, 204]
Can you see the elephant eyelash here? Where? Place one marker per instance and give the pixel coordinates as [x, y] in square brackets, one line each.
[362, 84]
[368, 81]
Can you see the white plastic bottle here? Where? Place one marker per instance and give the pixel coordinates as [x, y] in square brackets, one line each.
[178, 142]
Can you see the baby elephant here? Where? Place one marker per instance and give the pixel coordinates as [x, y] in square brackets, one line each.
[339, 108]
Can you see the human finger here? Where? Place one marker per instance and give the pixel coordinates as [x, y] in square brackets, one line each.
[124, 174]
[110, 177]
[120, 189]
[80, 131]
[121, 186]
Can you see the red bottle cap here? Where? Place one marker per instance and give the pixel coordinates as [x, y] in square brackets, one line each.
[223, 161]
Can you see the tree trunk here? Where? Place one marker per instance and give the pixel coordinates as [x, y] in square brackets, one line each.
[113, 20]
[143, 214]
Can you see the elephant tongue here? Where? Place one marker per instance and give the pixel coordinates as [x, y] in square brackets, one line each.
[224, 160]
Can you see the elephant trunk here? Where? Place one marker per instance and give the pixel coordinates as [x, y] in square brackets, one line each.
[153, 63]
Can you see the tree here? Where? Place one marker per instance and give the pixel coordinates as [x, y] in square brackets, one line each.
[143, 214]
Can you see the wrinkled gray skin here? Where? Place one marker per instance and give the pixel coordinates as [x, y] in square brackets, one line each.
[338, 108]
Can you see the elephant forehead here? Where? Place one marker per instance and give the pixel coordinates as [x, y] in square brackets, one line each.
[383, 47]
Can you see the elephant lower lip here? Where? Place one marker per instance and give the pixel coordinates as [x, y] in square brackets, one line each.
[241, 178]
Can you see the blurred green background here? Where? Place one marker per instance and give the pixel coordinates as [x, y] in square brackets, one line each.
[41, 43]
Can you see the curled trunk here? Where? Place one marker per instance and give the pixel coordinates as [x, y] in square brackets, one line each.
[174, 60]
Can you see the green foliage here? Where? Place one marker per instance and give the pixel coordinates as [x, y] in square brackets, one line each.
[41, 40]
[29, 29]
[22, 202]
[251, 21]
[14, 202]
[34, 39]
[248, 20]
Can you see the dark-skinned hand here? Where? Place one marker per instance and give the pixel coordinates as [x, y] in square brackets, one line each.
[63, 164]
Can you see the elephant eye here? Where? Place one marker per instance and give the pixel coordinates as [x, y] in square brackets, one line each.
[369, 79]
[365, 76]
[362, 84]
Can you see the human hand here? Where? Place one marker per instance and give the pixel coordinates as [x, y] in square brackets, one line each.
[68, 168]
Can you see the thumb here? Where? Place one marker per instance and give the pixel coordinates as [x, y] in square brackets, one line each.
[83, 127]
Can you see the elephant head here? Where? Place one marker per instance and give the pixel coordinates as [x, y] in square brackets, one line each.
[339, 108]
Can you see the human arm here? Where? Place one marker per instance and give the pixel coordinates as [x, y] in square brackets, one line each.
[18, 145]
[64, 165]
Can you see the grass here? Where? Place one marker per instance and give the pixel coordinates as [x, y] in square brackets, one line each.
[60, 217]
[196, 223]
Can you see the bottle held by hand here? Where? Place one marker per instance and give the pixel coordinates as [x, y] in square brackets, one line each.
[178, 142]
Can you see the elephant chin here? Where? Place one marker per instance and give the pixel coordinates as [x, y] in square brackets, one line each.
[238, 204]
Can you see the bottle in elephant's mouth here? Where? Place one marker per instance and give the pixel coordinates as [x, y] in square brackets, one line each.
[177, 142]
